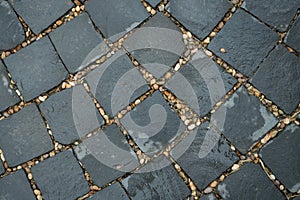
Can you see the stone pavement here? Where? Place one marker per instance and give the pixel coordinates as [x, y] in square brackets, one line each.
[129, 99]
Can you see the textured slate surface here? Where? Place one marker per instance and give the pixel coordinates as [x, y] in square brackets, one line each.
[41, 58]
[293, 38]
[246, 42]
[11, 33]
[113, 192]
[279, 14]
[16, 182]
[27, 136]
[272, 85]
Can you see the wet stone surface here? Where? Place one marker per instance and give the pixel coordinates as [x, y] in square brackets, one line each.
[278, 15]
[39, 14]
[255, 119]
[16, 182]
[64, 178]
[27, 139]
[41, 58]
[247, 184]
[293, 36]
[246, 52]
[8, 96]
[207, 156]
[159, 184]
[284, 152]
[114, 17]
[113, 192]
[200, 23]
[11, 33]
[272, 85]
[74, 40]
[69, 118]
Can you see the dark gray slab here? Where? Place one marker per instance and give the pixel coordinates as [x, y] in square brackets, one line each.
[74, 41]
[206, 157]
[293, 36]
[250, 182]
[118, 79]
[246, 41]
[278, 83]
[24, 136]
[153, 2]
[277, 13]
[113, 192]
[281, 155]
[199, 23]
[8, 96]
[160, 184]
[2, 170]
[113, 17]
[153, 124]
[11, 33]
[243, 110]
[41, 59]
[16, 186]
[60, 177]
[70, 117]
[39, 14]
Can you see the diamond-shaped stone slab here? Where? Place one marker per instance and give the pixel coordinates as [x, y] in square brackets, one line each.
[2, 170]
[16, 186]
[293, 36]
[24, 136]
[278, 78]
[246, 42]
[113, 192]
[282, 157]
[11, 33]
[39, 14]
[60, 177]
[153, 2]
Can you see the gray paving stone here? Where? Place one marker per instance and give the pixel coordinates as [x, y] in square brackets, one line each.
[153, 124]
[2, 170]
[105, 155]
[244, 110]
[250, 182]
[153, 2]
[39, 14]
[159, 184]
[116, 78]
[281, 156]
[278, 83]
[113, 192]
[207, 156]
[24, 136]
[277, 13]
[113, 17]
[60, 177]
[246, 42]
[16, 186]
[199, 23]
[11, 33]
[293, 38]
[8, 96]
[41, 59]
[66, 122]
[74, 41]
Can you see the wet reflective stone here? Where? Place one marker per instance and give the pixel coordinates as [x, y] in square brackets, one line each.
[114, 17]
[11, 33]
[64, 178]
[39, 14]
[200, 23]
[15, 186]
[246, 41]
[279, 14]
[293, 38]
[113, 192]
[24, 136]
[8, 96]
[282, 157]
[40, 58]
[247, 184]
[73, 47]
[70, 113]
[282, 89]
